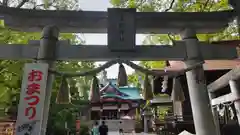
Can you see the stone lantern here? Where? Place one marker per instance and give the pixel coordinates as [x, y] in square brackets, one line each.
[147, 116]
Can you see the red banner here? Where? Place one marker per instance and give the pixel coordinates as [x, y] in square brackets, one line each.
[77, 125]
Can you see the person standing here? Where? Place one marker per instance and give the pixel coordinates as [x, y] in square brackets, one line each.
[103, 129]
[95, 129]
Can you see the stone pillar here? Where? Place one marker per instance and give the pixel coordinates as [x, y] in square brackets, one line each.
[177, 108]
[47, 54]
[146, 117]
[145, 124]
[201, 107]
[234, 86]
[215, 114]
[178, 98]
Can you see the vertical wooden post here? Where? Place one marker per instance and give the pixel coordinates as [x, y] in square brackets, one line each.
[47, 54]
[234, 86]
[201, 107]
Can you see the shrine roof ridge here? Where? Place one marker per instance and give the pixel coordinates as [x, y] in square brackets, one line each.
[209, 65]
[126, 92]
[96, 21]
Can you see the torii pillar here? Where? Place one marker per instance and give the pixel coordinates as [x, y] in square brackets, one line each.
[200, 103]
[47, 54]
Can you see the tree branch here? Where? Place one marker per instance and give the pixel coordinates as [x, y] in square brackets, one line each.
[42, 5]
[171, 6]
[205, 5]
[21, 3]
[49, 4]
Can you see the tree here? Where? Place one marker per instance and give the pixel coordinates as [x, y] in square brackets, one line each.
[181, 6]
[229, 33]
[11, 71]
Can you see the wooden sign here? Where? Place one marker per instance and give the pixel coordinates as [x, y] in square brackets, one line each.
[30, 109]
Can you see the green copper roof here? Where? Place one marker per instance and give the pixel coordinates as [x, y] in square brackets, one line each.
[133, 92]
[127, 93]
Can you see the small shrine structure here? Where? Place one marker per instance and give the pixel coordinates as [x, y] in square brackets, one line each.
[182, 117]
[117, 104]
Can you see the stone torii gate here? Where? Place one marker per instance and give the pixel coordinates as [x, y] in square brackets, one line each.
[121, 26]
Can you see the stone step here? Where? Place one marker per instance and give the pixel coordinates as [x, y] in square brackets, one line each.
[115, 125]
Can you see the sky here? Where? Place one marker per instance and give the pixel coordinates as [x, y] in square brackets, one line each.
[101, 39]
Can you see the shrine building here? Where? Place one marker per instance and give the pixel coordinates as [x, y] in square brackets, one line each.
[116, 105]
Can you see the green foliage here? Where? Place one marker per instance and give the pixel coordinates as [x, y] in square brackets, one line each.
[133, 80]
[230, 33]
[162, 112]
[131, 4]
[84, 130]
[59, 114]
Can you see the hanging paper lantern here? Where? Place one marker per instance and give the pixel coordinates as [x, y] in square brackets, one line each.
[122, 76]
[177, 91]
[94, 94]
[63, 96]
[147, 89]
